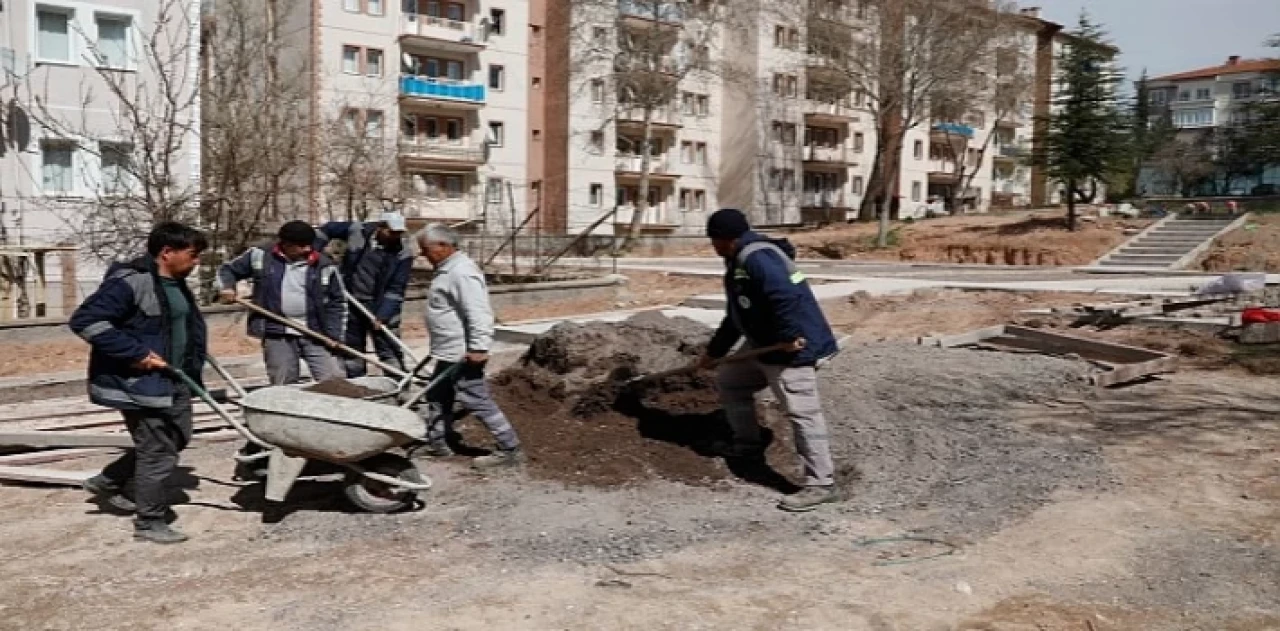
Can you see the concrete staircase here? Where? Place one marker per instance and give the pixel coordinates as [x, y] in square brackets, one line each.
[1171, 244]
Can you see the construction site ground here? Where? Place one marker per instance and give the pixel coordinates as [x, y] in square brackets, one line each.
[984, 492]
[1255, 247]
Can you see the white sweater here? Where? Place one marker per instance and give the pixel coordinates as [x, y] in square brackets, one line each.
[459, 318]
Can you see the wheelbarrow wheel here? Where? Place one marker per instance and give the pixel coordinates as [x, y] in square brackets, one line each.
[378, 497]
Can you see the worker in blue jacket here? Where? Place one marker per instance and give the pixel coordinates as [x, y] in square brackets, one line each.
[142, 323]
[770, 303]
[375, 270]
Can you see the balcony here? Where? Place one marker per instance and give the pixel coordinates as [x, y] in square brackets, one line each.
[646, 13]
[666, 118]
[441, 33]
[628, 166]
[640, 63]
[1009, 124]
[949, 132]
[459, 208]
[428, 152]
[836, 157]
[657, 218]
[821, 112]
[824, 199]
[438, 90]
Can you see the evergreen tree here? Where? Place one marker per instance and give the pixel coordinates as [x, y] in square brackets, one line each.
[1087, 139]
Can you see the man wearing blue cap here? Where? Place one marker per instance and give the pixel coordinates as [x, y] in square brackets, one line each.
[375, 270]
[770, 303]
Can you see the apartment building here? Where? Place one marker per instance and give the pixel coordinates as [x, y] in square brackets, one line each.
[62, 158]
[1201, 100]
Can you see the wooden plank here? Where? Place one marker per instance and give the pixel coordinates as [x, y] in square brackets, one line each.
[1132, 372]
[963, 339]
[64, 439]
[39, 475]
[1086, 347]
[53, 455]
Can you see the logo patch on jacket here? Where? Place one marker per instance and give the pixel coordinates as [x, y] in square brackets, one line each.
[744, 302]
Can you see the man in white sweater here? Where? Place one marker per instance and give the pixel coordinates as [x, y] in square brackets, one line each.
[460, 323]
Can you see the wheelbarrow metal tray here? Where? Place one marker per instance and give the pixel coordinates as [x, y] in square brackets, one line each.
[328, 427]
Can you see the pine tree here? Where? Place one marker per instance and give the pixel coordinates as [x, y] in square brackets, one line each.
[1087, 138]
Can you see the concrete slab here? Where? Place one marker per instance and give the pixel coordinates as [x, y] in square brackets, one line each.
[833, 291]
[526, 332]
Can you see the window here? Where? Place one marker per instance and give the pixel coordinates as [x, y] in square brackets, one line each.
[686, 152]
[915, 191]
[597, 90]
[1203, 94]
[596, 196]
[497, 21]
[785, 85]
[537, 135]
[351, 59]
[373, 62]
[779, 37]
[687, 104]
[704, 105]
[55, 167]
[453, 69]
[453, 186]
[700, 201]
[453, 129]
[1184, 95]
[600, 35]
[350, 121]
[352, 6]
[113, 41]
[54, 37]
[497, 77]
[597, 141]
[497, 133]
[493, 190]
[919, 150]
[374, 7]
[859, 142]
[537, 82]
[1159, 97]
[373, 124]
[700, 153]
[116, 167]
[1242, 90]
[857, 185]
[453, 11]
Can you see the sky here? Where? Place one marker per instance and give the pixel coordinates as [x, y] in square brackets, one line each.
[1168, 36]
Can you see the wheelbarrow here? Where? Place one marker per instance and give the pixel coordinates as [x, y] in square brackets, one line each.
[294, 426]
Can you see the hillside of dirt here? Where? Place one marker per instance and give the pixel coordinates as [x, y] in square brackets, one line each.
[1255, 247]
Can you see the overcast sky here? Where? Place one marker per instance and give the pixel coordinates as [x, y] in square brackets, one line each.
[1168, 36]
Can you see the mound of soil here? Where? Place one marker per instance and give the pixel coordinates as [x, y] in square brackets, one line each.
[342, 388]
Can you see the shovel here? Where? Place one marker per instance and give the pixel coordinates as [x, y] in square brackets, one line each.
[737, 357]
[404, 348]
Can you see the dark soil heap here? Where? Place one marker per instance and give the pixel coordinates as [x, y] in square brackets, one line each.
[342, 388]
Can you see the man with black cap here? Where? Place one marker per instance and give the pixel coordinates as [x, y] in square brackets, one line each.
[292, 279]
[770, 303]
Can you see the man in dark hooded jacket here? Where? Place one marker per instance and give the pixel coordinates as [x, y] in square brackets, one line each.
[770, 303]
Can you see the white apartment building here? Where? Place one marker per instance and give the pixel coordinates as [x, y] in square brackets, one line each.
[51, 174]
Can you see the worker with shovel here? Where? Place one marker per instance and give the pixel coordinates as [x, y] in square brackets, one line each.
[769, 303]
[290, 279]
[375, 270]
[143, 323]
[460, 324]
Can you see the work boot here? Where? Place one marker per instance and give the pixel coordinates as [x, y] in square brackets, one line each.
[109, 494]
[432, 449]
[809, 498]
[499, 458]
[156, 532]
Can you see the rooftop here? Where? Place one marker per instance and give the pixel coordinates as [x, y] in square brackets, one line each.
[1234, 65]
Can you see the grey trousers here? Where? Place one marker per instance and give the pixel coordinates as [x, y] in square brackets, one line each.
[466, 387]
[158, 436]
[797, 389]
[283, 352]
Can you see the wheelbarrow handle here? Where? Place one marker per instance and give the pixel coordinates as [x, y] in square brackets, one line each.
[384, 330]
[222, 412]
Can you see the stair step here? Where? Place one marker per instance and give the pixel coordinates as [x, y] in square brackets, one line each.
[1138, 249]
[1133, 264]
[1154, 259]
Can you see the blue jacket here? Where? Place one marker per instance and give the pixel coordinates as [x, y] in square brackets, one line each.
[390, 278]
[770, 303]
[124, 320]
[326, 306]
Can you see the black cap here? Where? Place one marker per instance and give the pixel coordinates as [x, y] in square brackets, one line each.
[297, 233]
[727, 223]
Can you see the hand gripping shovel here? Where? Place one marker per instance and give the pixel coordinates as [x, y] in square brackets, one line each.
[737, 357]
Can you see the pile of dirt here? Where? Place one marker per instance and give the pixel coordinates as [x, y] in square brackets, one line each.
[342, 388]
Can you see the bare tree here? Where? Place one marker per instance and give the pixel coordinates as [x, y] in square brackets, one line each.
[904, 55]
[138, 117]
[1188, 162]
[640, 53]
[359, 170]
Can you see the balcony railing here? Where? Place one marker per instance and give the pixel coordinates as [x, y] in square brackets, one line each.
[819, 153]
[662, 116]
[823, 199]
[442, 89]
[825, 108]
[657, 10]
[644, 63]
[447, 151]
[441, 28]
[953, 129]
[439, 206]
[629, 163]
[657, 215]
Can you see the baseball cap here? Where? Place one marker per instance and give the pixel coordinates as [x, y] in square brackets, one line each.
[394, 220]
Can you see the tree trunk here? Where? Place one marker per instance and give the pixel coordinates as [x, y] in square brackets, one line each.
[1071, 205]
[889, 184]
[646, 162]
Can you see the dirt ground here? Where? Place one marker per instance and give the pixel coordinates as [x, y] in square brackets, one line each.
[1253, 248]
[228, 339]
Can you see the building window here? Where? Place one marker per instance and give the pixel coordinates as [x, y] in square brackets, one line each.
[373, 62]
[859, 142]
[1184, 95]
[537, 82]
[374, 7]
[596, 196]
[351, 59]
[350, 121]
[55, 167]
[857, 185]
[351, 6]
[704, 105]
[1203, 94]
[54, 35]
[1159, 97]
[493, 190]
[915, 191]
[919, 150]
[497, 77]
[373, 124]
[1242, 90]
[687, 105]
[597, 90]
[497, 21]
[113, 41]
[537, 135]
[597, 141]
[600, 35]
[116, 167]
[700, 153]
[686, 152]
[700, 201]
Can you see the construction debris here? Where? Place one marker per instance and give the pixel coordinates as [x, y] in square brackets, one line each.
[1117, 363]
